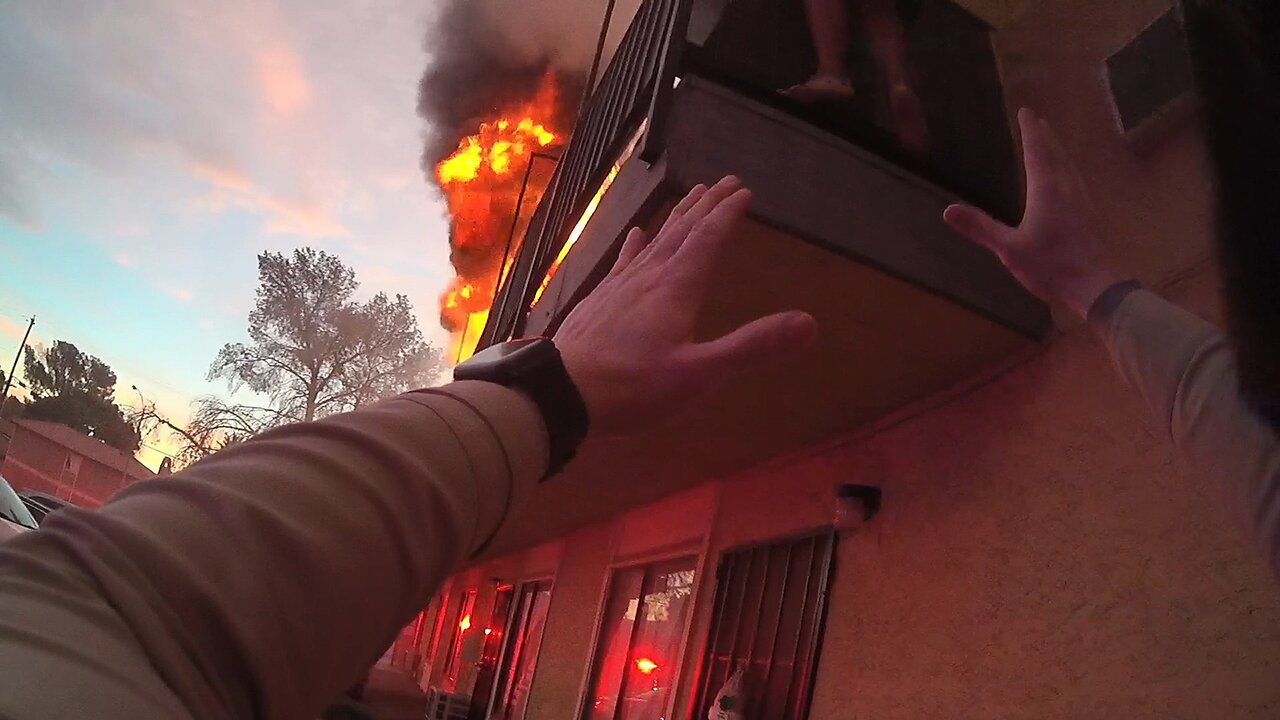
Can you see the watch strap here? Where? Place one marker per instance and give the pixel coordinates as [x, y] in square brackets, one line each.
[563, 412]
[534, 367]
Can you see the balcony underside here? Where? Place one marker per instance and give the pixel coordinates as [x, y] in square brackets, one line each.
[906, 308]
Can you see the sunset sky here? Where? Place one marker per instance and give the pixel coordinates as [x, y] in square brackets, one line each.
[150, 149]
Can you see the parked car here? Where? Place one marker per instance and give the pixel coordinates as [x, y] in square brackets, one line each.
[41, 504]
[14, 516]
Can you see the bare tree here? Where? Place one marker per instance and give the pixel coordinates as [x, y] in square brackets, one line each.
[204, 434]
[312, 351]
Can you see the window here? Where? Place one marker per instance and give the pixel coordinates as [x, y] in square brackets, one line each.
[768, 617]
[404, 650]
[459, 630]
[633, 671]
[520, 650]
[495, 630]
[1152, 73]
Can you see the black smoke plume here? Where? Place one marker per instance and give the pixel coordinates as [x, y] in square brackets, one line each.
[484, 55]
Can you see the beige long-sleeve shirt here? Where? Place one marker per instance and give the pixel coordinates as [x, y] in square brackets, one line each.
[260, 582]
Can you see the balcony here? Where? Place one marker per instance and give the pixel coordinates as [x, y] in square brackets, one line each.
[846, 224]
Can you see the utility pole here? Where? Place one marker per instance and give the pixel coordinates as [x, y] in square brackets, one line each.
[8, 380]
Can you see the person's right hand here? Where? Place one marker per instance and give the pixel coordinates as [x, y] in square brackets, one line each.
[1057, 252]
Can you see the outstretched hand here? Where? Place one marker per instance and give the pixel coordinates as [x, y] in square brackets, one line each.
[629, 345]
[1057, 251]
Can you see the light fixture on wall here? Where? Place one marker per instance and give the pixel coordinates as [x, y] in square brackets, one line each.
[855, 505]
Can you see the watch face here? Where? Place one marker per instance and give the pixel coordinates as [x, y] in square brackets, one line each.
[506, 361]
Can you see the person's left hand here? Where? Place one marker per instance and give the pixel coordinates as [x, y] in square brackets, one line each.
[1058, 251]
[629, 344]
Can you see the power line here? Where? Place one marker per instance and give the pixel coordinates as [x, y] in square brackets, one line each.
[156, 449]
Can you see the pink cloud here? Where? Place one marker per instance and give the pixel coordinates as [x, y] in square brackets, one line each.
[284, 217]
[13, 331]
[223, 178]
[180, 293]
[282, 80]
[124, 259]
[288, 218]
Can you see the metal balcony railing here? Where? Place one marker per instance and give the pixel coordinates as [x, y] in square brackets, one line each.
[634, 90]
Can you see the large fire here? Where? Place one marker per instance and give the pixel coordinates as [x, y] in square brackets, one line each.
[481, 181]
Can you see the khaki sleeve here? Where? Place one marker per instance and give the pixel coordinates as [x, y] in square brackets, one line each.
[262, 581]
[1184, 370]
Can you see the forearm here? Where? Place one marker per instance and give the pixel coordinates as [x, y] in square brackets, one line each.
[260, 582]
[1185, 372]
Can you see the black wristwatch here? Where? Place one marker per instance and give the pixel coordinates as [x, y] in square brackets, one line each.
[533, 366]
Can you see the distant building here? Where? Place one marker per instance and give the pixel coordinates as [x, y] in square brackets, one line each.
[55, 459]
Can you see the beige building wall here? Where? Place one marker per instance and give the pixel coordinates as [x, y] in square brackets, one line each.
[1041, 552]
[560, 676]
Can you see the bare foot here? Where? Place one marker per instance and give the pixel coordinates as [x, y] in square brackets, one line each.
[909, 120]
[821, 88]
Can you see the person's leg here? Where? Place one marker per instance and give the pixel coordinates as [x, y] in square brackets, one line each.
[889, 46]
[829, 26]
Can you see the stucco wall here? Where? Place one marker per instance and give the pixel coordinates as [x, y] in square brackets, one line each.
[1041, 550]
[1154, 200]
[571, 622]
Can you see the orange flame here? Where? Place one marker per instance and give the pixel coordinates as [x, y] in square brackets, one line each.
[576, 233]
[481, 181]
[590, 211]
